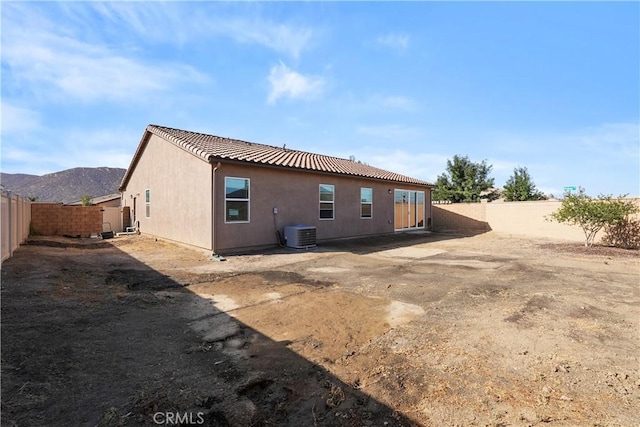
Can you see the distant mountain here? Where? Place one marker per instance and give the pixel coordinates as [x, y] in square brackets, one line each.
[66, 186]
[17, 180]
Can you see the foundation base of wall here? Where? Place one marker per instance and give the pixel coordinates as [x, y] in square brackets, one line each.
[216, 257]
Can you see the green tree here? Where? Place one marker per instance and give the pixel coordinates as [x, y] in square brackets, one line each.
[86, 200]
[520, 187]
[592, 214]
[464, 181]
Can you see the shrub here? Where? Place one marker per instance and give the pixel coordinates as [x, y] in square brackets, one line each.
[623, 234]
[86, 200]
[593, 214]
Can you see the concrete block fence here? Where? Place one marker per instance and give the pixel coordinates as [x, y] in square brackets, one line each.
[55, 219]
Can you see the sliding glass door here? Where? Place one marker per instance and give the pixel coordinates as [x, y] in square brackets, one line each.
[408, 209]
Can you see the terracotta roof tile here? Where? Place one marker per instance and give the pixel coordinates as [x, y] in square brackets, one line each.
[212, 148]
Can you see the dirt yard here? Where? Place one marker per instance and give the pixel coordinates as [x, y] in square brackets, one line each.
[424, 329]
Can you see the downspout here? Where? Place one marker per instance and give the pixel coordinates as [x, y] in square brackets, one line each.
[214, 256]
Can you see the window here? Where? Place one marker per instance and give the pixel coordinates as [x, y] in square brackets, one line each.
[147, 203]
[236, 201]
[366, 203]
[326, 201]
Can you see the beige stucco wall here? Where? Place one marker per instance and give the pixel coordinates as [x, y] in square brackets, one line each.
[296, 195]
[516, 218]
[111, 217]
[461, 217]
[180, 188]
[529, 219]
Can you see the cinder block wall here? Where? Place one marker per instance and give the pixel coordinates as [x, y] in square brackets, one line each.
[54, 219]
[461, 217]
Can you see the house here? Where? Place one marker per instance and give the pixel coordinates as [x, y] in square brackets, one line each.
[227, 195]
[109, 200]
[112, 215]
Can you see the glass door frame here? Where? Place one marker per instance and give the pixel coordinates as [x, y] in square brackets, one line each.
[412, 206]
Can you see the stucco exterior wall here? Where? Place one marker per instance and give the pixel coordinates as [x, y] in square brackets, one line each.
[115, 203]
[296, 196]
[180, 189]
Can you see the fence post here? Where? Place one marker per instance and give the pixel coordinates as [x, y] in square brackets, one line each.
[19, 219]
[9, 197]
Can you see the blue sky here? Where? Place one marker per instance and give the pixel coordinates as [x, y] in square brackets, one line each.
[553, 86]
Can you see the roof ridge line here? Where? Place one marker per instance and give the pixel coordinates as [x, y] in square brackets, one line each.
[209, 147]
[254, 143]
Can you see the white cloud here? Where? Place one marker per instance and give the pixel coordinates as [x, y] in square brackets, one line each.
[609, 139]
[18, 120]
[278, 37]
[166, 22]
[606, 141]
[360, 105]
[286, 83]
[59, 149]
[59, 66]
[502, 166]
[421, 165]
[13, 154]
[397, 102]
[393, 132]
[426, 166]
[398, 42]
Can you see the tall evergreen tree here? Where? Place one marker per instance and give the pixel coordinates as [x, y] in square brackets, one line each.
[520, 187]
[464, 181]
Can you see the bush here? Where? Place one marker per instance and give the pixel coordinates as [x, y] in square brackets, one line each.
[591, 214]
[86, 200]
[623, 234]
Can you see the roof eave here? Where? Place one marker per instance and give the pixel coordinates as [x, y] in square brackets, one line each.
[134, 161]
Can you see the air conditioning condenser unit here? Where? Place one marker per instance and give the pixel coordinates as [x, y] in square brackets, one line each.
[300, 236]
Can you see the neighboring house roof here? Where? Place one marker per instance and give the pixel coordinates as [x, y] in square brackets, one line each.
[215, 148]
[99, 199]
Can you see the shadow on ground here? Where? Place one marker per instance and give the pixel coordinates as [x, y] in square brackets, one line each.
[369, 244]
[373, 244]
[92, 336]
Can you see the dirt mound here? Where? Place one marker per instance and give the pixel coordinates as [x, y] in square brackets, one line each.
[68, 242]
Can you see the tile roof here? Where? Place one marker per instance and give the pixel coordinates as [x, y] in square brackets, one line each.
[215, 148]
[99, 199]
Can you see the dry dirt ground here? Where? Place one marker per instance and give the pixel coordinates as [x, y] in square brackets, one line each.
[424, 329]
